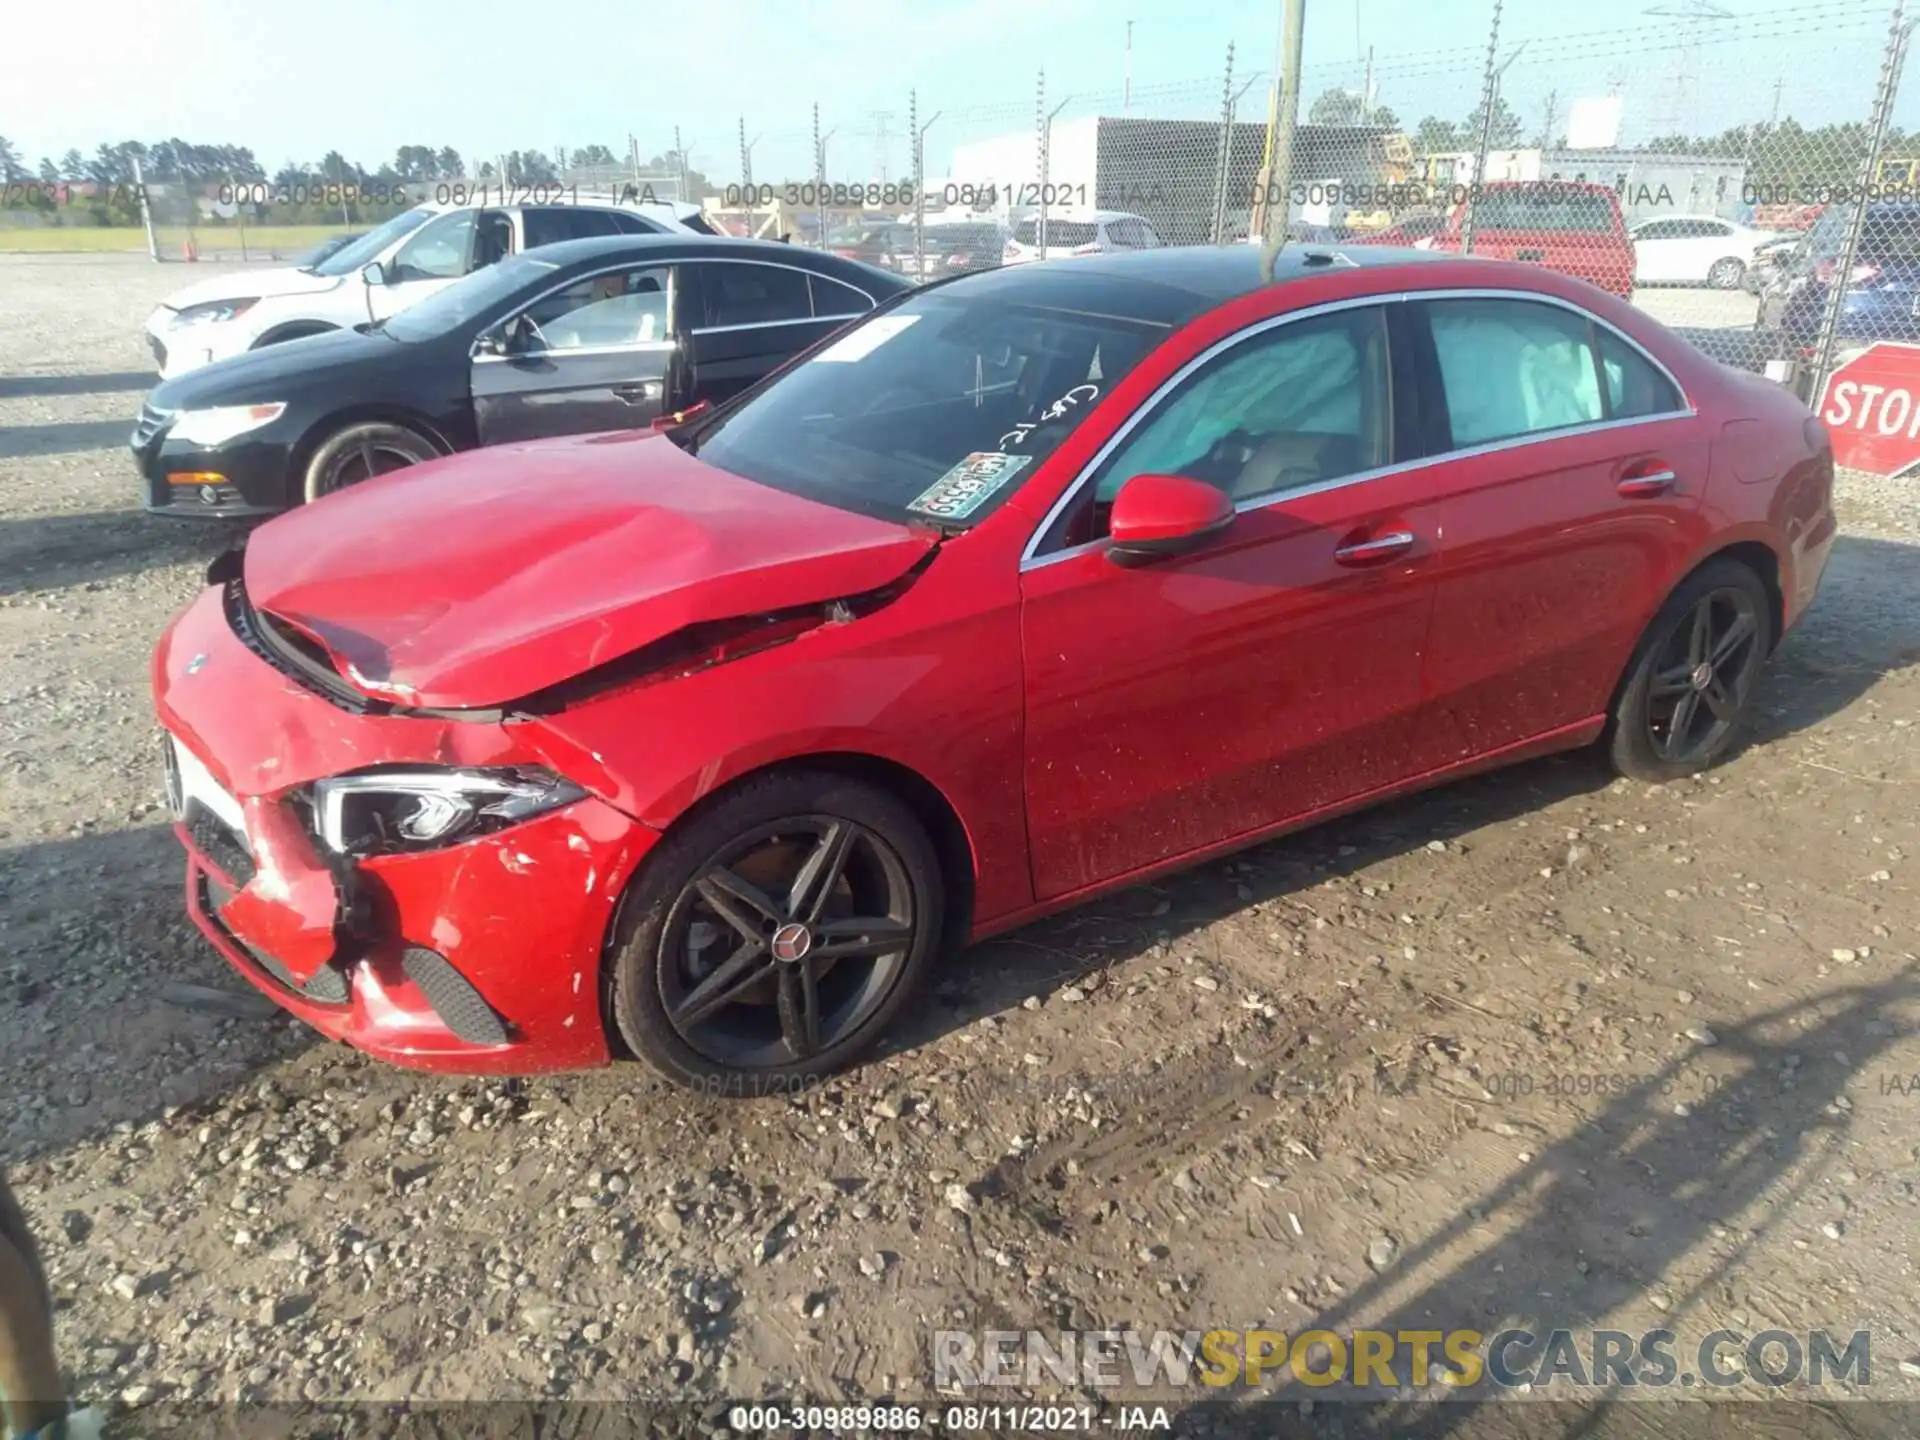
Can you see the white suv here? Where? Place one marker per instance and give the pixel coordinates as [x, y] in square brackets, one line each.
[396, 265]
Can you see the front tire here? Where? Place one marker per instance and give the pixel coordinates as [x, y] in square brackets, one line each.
[1725, 274]
[775, 936]
[1692, 675]
[360, 452]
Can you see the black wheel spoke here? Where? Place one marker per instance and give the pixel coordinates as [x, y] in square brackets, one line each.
[1679, 724]
[821, 872]
[859, 938]
[1702, 632]
[799, 1005]
[744, 968]
[741, 903]
[1720, 701]
[1669, 683]
[1736, 635]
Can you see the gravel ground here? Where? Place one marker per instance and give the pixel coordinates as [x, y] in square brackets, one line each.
[1315, 1085]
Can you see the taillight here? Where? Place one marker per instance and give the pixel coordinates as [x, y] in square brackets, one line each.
[956, 262]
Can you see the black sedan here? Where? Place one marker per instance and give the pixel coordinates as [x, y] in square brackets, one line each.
[613, 333]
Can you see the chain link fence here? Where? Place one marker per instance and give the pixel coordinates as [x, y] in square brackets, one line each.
[1743, 178]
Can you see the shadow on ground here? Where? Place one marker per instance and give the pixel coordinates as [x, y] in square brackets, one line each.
[12, 386]
[63, 437]
[1638, 1188]
[55, 552]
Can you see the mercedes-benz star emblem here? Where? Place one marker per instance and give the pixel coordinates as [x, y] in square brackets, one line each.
[791, 942]
[1702, 675]
[193, 665]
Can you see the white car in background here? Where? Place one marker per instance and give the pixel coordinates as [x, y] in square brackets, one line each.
[400, 263]
[1694, 250]
[1079, 232]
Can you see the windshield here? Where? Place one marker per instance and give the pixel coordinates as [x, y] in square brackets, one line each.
[1550, 208]
[1059, 232]
[466, 299]
[356, 256]
[935, 410]
[966, 237]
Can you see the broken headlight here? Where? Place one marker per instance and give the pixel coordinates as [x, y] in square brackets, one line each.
[384, 812]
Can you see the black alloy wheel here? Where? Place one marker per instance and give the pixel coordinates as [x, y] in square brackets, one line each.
[768, 946]
[1694, 676]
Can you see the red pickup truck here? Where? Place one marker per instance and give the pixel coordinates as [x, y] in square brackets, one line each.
[1565, 225]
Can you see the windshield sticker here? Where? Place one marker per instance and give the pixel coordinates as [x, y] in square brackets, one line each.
[860, 343]
[968, 485]
[1078, 395]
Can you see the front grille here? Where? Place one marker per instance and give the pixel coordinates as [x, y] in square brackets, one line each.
[153, 419]
[213, 839]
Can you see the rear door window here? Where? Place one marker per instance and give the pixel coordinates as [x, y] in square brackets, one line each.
[550, 224]
[1511, 368]
[739, 294]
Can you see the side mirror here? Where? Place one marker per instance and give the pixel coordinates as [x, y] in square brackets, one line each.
[1159, 515]
[374, 273]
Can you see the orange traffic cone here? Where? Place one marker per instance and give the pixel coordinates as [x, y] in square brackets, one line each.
[187, 250]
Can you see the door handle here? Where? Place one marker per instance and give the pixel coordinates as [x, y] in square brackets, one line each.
[1647, 484]
[640, 393]
[1381, 547]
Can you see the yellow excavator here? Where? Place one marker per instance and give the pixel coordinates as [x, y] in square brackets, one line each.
[1393, 165]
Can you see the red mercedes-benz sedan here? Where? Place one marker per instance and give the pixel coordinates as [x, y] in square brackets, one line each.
[704, 745]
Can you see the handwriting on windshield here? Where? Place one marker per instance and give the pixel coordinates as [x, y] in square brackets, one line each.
[1078, 395]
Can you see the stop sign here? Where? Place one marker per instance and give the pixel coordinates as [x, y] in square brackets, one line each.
[1872, 410]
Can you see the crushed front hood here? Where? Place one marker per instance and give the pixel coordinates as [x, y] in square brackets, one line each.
[474, 581]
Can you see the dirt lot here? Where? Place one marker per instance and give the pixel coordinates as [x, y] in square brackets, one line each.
[1323, 1084]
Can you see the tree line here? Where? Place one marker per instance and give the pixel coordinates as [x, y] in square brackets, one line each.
[196, 167]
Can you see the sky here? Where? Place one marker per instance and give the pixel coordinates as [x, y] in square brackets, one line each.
[293, 81]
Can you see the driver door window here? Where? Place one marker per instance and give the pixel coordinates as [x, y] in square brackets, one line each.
[1302, 404]
[620, 310]
[441, 250]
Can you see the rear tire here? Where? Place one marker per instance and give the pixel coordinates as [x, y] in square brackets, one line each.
[776, 936]
[361, 451]
[1692, 676]
[1725, 274]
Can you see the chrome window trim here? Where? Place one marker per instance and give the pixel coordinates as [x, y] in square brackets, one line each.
[639, 347]
[1031, 559]
[770, 324]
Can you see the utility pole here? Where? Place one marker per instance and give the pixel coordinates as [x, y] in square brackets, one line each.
[146, 210]
[1546, 124]
[918, 135]
[1276, 176]
[1126, 94]
[882, 135]
[1366, 91]
[680, 163]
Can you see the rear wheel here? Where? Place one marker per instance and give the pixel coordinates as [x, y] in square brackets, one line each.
[1725, 274]
[776, 936]
[360, 452]
[1693, 675]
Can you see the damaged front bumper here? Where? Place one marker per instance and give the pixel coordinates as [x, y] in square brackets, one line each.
[479, 957]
